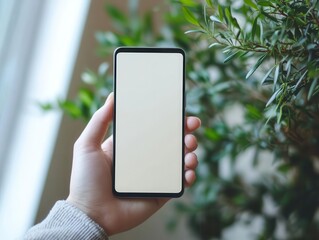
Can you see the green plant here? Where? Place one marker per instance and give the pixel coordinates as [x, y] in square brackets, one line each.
[282, 38]
[252, 77]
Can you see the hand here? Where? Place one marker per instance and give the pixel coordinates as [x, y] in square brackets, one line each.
[91, 178]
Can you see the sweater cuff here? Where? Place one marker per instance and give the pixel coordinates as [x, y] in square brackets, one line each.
[66, 221]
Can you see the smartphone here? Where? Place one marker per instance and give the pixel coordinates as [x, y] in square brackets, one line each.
[148, 127]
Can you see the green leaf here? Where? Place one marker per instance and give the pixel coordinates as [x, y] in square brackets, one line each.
[273, 97]
[148, 23]
[279, 115]
[274, 19]
[284, 168]
[194, 31]
[251, 4]
[231, 56]
[254, 28]
[253, 112]
[46, 106]
[227, 49]
[71, 108]
[205, 14]
[214, 44]
[107, 38]
[86, 97]
[243, 54]
[190, 17]
[300, 79]
[288, 67]
[235, 23]
[221, 12]
[265, 3]
[116, 14]
[220, 87]
[188, 3]
[103, 68]
[311, 46]
[254, 68]
[215, 19]
[212, 134]
[261, 27]
[228, 15]
[276, 75]
[209, 3]
[312, 88]
[266, 75]
[300, 21]
[238, 34]
[89, 77]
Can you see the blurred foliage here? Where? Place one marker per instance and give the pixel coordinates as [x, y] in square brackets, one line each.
[252, 77]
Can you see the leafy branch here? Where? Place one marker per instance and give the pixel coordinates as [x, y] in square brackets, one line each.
[279, 31]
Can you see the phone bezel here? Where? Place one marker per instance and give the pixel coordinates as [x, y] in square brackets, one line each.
[147, 194]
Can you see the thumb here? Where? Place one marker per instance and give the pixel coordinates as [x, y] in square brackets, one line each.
[95, 131]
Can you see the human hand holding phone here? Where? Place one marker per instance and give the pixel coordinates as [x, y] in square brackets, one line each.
[91, 178]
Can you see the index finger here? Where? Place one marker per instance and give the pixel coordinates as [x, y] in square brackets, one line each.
[192, 123]
[95, 130]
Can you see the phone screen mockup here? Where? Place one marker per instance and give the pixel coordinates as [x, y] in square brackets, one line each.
[148, 129]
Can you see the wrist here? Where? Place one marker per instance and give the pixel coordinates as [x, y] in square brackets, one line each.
[77, 204]
[85, 209]
[97, 215]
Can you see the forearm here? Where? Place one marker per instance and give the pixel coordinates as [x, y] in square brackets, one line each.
[65, 221]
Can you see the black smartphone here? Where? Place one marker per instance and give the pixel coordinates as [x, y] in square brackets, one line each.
[149, 115]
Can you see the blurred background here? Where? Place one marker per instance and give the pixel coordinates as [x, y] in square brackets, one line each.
[251, 76]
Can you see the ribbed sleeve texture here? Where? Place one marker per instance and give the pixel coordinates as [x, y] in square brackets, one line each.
[65, 221]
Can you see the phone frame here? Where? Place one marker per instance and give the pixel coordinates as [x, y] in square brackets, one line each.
[148, 194]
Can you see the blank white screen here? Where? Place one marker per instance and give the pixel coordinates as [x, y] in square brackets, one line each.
[149, 116]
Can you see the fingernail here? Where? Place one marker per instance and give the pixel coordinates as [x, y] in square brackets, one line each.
[109, 98]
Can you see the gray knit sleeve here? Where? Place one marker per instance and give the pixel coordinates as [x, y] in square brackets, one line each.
[65, 221]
